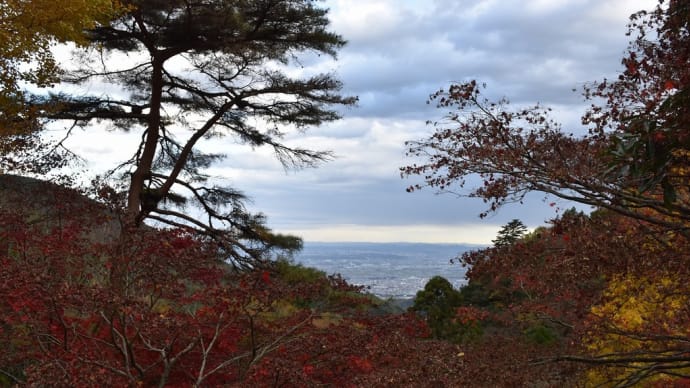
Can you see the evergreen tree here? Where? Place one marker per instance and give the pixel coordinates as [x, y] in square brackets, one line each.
[510, 233]
[197, 70]
[438, 302]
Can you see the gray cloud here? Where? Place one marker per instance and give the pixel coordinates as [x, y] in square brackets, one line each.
[399, 52]
[527, 50]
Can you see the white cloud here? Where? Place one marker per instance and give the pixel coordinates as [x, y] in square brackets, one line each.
[365, 23]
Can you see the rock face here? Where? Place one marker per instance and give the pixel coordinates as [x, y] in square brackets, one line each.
[49, 205]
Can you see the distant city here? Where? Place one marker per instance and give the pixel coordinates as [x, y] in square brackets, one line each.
[395, 270]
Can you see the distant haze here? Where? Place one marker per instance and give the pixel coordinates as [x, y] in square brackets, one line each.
[395, 270]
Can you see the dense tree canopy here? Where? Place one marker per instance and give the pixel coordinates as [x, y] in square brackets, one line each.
[599, 293]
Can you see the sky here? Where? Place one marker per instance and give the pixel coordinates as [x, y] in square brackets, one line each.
[398, 53]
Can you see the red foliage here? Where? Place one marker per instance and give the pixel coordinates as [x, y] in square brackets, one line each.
[632, 161]
[158, 307]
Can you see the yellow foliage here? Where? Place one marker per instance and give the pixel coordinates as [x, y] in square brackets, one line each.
[279, 309]
[635, 305]
[326, 320]
[58, 20]
[28, 28]
[162, 307]
[283, 309]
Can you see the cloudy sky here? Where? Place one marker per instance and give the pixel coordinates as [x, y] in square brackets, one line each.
[399, 52]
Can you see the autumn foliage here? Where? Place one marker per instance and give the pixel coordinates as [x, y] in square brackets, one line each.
[160, 308]
[91, 299]
[632, 160]
[606, 291]
[85, 309]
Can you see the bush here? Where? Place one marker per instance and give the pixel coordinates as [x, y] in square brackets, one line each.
[438, 303]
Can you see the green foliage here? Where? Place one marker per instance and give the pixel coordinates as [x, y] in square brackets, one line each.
[541, 334]
[535, 235]
[324, 290]
[438, 302]
[510, 233]
[287, 243]
[476, 293]
[492, 296]
[293, 273]
[437, 299]
[467, 332]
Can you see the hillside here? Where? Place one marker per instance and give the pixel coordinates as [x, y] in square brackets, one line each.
[159, 310]
[588, 288]
[47, 204]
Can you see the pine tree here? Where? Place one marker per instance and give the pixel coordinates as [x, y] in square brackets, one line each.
[510, 233]
[198, 70]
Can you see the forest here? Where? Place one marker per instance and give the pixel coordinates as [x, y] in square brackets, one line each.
[115, 282]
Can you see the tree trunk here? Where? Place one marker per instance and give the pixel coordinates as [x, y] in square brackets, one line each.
[135, 210]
